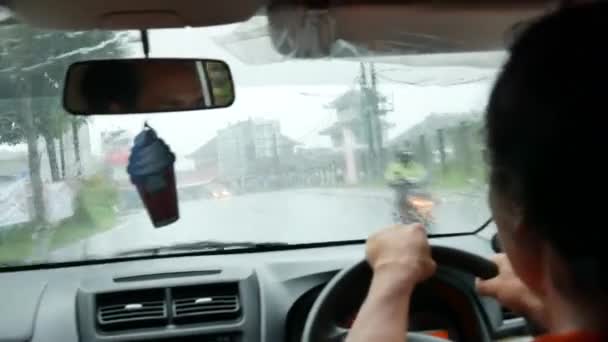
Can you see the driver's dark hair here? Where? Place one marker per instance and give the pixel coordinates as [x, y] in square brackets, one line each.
[106, 82]
[547, 137]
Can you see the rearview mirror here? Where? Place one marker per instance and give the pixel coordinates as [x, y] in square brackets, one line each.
[128, 86]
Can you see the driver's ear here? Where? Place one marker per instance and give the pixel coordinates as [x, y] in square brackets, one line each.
[528, 255]
[521, 244]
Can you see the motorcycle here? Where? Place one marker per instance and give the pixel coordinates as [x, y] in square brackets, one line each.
[413, 204]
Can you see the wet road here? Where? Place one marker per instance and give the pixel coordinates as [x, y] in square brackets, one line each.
[294, 216]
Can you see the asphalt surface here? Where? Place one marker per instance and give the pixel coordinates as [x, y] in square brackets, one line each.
[294, 216]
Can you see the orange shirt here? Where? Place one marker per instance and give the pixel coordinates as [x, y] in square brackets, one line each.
[573, 337]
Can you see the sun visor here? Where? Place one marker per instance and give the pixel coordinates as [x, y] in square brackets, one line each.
[359, 31]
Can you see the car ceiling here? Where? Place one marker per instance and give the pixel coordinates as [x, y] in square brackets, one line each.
[131, 14]
[116, 14]
[464, 24]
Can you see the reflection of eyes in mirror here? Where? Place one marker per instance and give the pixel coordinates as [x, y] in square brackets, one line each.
[147, 85]
[164, 86]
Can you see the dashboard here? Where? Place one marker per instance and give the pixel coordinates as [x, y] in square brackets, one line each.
[237, 297]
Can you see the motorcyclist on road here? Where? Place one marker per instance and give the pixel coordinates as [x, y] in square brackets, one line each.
[403, 175]
[404, 169]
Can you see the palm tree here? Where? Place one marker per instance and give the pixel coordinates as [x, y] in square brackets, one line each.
[76, 123]
[62, 156]
[51, 123]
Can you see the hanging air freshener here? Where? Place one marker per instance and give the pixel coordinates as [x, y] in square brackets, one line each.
[151, 171]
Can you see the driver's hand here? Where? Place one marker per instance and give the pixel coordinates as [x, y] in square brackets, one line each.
[401, 252]
[400, 257]
[510, 291]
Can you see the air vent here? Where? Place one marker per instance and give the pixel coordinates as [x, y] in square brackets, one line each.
[206, 303]
[131, 309]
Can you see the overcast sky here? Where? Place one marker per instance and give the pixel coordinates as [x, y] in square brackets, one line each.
[295, 92]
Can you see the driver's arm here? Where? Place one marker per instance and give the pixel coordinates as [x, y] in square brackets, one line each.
[400, 257]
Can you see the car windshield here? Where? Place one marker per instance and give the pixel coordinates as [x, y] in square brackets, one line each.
[311, 150]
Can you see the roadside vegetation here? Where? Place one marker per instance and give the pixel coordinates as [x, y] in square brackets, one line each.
[459, 180]
[94, 213]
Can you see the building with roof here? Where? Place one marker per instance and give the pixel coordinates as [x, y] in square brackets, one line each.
[243, 150]
[355, 133]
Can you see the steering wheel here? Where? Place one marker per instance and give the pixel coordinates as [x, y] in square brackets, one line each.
[321, 325]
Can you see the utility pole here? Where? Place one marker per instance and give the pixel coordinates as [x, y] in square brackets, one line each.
[441, 143]
[366, 116]
[371, 113]
[376, 122]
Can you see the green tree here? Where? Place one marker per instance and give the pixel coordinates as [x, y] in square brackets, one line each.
[62, 156]
[75, 124]
[33, 63]
[51, 124]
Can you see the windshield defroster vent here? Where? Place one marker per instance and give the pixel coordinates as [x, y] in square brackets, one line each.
[131, 309]
[206, 303]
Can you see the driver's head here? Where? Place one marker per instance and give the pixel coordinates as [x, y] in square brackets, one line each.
[549, 102]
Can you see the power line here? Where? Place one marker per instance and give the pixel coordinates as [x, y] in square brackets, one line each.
[386, 78]
[327, 117]
[479, 79]
[422, 83]
[317, 126]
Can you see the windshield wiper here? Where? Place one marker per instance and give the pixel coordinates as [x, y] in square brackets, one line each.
[211, 245]
[14, 263]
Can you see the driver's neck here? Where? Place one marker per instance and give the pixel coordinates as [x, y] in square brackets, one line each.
[566, 315]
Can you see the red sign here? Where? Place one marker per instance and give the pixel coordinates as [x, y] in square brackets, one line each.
[118, 157]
